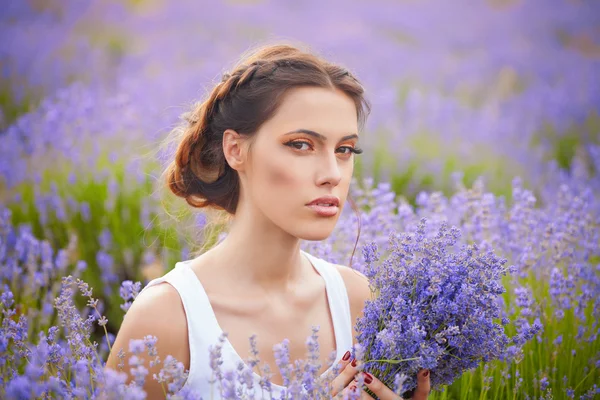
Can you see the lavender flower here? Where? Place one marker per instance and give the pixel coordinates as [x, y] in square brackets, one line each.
[435, 307]
[129, 292]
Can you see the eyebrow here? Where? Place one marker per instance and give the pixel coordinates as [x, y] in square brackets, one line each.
[319, 136]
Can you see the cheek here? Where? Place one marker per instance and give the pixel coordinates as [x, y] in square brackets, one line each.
[278, 173]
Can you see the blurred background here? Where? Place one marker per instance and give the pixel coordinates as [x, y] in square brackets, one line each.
[460, 89]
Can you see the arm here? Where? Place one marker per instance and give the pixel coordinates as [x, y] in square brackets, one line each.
[359, 291]
[157, 311]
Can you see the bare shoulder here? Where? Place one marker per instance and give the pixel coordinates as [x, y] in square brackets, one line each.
[157, 311]
[155, 305]
[357, 285]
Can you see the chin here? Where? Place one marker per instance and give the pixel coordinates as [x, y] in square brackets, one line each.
[314, 231]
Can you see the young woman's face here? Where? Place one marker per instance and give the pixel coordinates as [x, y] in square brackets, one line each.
[303, 153]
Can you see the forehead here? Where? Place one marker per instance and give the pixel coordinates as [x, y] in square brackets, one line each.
[330, 112]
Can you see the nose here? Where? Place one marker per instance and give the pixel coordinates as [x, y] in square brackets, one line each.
[328, 172]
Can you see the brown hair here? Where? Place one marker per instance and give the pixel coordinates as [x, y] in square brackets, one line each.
[245, 98]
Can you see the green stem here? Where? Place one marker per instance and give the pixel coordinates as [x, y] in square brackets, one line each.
[570, 365]
[583, 380]
[483, 391]
[392, 361]
[470, 384]
[533, 370]
[514, 391]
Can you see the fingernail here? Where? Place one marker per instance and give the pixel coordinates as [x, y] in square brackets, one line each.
[368, 378]
[353, 363]
[426, 373]
[346, 356]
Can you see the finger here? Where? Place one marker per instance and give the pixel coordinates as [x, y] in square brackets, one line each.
[350, 368]
[365, 396]
[423, 384]
[376, 386]
[341, 365]
[352, 391]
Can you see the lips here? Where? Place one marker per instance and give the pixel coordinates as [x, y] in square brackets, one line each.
[326, 206]
[327, 201]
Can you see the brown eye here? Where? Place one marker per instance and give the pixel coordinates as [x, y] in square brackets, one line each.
[298, 145]
[349, 150]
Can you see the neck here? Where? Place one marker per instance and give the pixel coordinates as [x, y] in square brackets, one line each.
[256, 252]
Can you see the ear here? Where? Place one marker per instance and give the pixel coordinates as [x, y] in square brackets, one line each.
[234, 149]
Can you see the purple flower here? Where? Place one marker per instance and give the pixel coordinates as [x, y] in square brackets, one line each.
[19, 388]
[128, 292]
[173, 374]
[435, 307]
[282, 359]
[544, 383]
[137, 346]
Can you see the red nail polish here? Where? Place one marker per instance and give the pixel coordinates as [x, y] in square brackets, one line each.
[353, 363]
[426, 374]
[346, 356]
[368, 378]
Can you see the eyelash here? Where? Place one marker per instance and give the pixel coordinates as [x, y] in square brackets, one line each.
[291, 144]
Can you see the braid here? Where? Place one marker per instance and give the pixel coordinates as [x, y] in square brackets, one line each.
[197, 170]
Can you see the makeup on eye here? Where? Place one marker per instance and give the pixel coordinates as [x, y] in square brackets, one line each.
[320, 137]
[354, 150]
[294, 144]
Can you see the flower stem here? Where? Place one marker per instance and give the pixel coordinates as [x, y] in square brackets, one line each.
[392, 361]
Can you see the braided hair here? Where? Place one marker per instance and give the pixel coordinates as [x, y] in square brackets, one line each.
[243, 100]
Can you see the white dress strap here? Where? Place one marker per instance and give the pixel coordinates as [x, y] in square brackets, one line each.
[338, 301]
[202, 330]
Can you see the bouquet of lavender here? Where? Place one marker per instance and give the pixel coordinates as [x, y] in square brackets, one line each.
[436, 305]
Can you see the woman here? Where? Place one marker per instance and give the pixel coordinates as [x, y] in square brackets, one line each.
[273, 146]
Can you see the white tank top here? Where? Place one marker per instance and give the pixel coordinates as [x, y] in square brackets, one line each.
[204, 330]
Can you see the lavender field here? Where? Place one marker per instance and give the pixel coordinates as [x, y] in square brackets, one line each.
[485, 117]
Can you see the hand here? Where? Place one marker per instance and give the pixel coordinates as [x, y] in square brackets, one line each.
[348, 373]
[421, 392]
[423, 385]
[347, 368]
